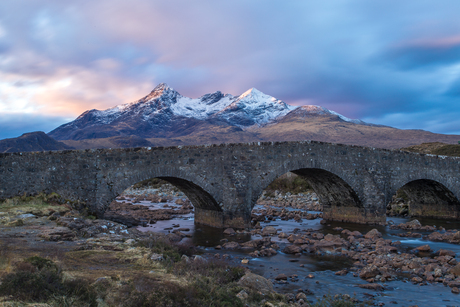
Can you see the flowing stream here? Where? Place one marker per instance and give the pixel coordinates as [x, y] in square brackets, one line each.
[312, 273]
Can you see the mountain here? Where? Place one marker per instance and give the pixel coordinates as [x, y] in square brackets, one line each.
[164, 118]
[165, 113]
[33, 141]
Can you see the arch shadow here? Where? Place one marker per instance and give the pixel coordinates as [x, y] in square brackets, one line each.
[339, 200]
[207, 210]
[430, 198]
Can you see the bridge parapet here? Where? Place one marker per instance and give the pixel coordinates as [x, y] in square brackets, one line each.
[224, 181]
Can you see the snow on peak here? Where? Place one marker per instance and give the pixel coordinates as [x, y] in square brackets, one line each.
[250, 108]
[161, 90]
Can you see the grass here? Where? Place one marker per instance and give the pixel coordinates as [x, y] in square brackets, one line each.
[40, 280]
[40, 205]
[436, 148]
[339, 301]
[103, 278]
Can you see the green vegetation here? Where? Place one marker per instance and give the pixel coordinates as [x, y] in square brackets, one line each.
[40, 280]
[293, 184]
[177, 280]
[448, 150]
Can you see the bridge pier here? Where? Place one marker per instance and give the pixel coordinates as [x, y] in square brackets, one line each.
[222, 219]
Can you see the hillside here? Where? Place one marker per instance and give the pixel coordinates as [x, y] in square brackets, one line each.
[33, 141]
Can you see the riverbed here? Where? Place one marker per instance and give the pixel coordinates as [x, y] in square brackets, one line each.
[310, 273]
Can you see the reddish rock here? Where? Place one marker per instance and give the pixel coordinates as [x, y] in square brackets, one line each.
[376, 287]
[292, 249]
[423, 248]
[373, 234]
[229, 231]
[269, 231]
[281, 277]
[455, 270]
[435, 236]
[446, 252]
[369, 271]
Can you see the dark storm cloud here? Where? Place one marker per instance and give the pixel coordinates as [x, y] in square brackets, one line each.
[390, 61]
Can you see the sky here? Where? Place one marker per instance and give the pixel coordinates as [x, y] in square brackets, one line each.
[387, 62]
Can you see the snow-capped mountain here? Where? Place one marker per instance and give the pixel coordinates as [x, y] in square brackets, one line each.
[166, 113]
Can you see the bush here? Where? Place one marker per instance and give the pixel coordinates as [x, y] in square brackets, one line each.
[40, 280]
[201, 291]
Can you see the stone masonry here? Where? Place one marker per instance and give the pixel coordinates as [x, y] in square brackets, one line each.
[224, 181]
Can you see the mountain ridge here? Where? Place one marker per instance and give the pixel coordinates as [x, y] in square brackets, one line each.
[166, 118]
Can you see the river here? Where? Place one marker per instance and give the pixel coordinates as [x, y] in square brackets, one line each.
[315, 274]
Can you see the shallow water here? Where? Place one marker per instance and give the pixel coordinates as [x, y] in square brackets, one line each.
[324, 281]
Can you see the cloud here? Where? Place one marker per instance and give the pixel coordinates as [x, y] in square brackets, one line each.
[364, 59]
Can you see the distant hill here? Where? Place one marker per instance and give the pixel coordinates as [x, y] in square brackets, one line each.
[33, 141]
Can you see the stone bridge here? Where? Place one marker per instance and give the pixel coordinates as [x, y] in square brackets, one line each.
[223, 182]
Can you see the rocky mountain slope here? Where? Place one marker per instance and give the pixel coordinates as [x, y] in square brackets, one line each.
[33, 141]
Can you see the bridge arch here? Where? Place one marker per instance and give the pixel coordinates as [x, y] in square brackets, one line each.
[208, 210]
[429, 198]
[339, 199]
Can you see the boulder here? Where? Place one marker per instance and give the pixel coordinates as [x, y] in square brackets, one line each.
[292, 249]
[455, 270]
[281, 277]
[256, 282]
[369, 271]
[231, 245]
[229, 231]
[269, 231]
[373, 234]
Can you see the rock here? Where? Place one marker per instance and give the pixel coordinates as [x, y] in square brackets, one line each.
[455, 290]
[256, 282]
[199, 258]
[455, 270]
[301, 296]
[435, 236]
[292, 249]
[376, 287]
[231, 245]
[245, 261]
[156, 257]
[242, 295]
[281, 277]
[58, 234]
[414, 224]
[282, 235]
[446, 252]
[229, 231]
[342, 272]
[423, 248]
[269, 231]
[373, 234]
[416, 280]
[369, 271]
